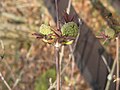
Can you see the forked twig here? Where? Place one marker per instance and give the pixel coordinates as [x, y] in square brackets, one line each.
[110, 76]
[116, 62]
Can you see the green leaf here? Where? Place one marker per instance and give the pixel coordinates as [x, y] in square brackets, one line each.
[110, 33]
[117, 28]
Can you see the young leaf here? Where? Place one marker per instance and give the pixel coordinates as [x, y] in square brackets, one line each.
[45, 29]
[110, 33]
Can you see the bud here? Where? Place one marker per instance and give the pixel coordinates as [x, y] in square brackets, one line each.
[110, 33]
[70, 29]
[45, 29]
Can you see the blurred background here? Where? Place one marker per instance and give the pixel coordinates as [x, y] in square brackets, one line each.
[27, 63]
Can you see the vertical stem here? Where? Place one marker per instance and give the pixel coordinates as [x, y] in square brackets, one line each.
[70, 46]
[73, 62]
[61, 57]
[57, 14]
[69, 6]
[117, 60]
[57, 49]
[3, 50]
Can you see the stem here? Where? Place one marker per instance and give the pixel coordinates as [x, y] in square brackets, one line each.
[73, 62]
[57, 50]
[62, 71]
[57, 14]
[110, 76]
[105, 41]
[70, 46]
[69, 6]
[117, 61]
[105, 62]
[3, 50]
[61, 57]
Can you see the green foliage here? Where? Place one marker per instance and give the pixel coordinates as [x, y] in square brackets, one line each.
[117, 28]
[45, 29]
[70, 29]
[42, 82]
[110, 33]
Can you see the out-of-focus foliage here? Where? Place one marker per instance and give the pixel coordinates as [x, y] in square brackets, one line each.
[110, 33]
[42, 82]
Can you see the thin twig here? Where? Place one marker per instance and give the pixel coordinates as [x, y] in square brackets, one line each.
[105, 62]
[105, 41]
[9, 68]
[2, 45]
[63, 70]
[5, 82]
[69, 6]
[18, 79]
[73, 63]
[61, 57]
[117, 61]
[3, 49]
[57, 13]
[70, 46]
[57, 49]
[110, 76]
